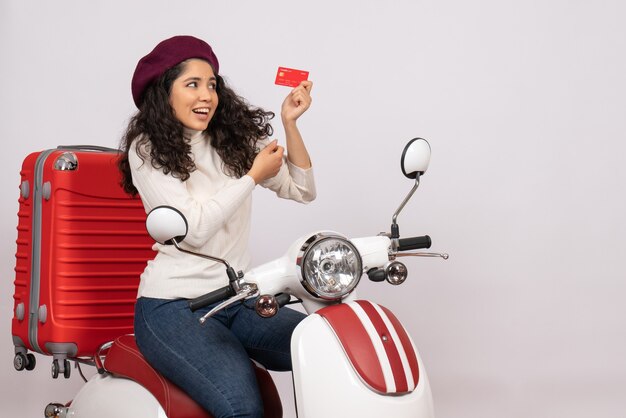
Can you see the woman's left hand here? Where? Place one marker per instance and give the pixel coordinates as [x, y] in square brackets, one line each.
[297, 102]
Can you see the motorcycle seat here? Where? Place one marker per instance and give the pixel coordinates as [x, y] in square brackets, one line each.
[125, 360]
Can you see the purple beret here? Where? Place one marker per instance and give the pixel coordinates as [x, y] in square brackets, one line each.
[166, 55]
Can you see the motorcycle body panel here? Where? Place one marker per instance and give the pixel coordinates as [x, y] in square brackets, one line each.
[106, 396]
[283, 275]
[327, 385]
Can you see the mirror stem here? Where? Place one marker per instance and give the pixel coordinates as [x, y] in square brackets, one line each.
[395, 230]
[208, 257]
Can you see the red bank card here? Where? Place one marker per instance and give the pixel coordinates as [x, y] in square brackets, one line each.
[290, 77]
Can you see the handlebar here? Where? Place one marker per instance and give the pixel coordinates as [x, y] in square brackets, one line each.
[414, 243]
[210, 298]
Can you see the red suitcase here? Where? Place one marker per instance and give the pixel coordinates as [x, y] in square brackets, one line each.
[81, 246]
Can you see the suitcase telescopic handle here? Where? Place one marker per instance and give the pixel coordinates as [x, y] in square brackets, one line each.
[86, 148]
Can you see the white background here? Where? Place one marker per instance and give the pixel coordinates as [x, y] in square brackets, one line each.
[523, 102]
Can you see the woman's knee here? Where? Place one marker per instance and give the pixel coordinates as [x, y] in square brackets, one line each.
[249, 408]
[242, 401]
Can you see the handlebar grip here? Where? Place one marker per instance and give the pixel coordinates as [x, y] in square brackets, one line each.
[414, 243]
[209, 298]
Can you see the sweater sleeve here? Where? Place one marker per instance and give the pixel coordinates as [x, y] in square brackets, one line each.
[204, 217]
[292, 182]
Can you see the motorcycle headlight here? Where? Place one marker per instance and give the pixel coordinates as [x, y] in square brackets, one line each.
[330, 266]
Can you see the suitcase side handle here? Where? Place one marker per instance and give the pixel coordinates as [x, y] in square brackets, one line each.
[87, 148]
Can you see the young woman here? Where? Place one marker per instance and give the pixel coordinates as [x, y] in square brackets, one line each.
[197, 146]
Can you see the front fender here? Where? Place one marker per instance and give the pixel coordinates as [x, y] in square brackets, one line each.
[322, 364]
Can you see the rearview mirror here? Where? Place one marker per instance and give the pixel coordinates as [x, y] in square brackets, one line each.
[415, 158]
[166, 225]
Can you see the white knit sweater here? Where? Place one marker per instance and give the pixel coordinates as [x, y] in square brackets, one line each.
[217, 208]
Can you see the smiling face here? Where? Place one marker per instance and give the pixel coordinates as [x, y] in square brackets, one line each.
[193, 95]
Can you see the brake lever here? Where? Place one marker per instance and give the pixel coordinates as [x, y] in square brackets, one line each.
[246, 291]
[445, 256]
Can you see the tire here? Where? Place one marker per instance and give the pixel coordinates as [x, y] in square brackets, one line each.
[67, 369]
[19, 362]
[55, 369]
[30, 364]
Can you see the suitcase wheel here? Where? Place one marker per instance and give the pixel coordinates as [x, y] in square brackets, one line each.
[19, 362]
[23, 361]
[67, 370]
[30, 364]
[56, 369]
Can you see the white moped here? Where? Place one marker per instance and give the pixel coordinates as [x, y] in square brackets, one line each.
[351, 358]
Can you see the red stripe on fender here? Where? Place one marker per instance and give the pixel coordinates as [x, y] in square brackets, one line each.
[356, 344]
[406, 344]
[390, 347]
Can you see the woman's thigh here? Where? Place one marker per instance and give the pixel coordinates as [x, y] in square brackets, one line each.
[267, 340]
[206, 361]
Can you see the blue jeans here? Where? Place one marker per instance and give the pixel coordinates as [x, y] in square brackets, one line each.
[211, 362]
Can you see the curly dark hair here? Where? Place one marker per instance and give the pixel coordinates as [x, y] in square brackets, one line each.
[235, 129]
